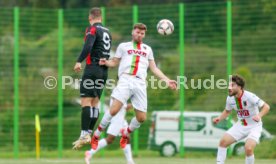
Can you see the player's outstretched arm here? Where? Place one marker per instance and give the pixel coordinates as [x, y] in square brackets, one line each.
[223, 115]
[110, 63]
[157, 72]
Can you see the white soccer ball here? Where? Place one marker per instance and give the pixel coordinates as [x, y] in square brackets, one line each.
[165, 27]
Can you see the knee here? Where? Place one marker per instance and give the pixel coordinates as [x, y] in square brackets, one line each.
[249, 150]
[85, 102]
[112, 112]
[109, 140]
[223, 143]
[141, 118]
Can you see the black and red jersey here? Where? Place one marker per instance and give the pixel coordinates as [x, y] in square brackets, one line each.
[97, 44]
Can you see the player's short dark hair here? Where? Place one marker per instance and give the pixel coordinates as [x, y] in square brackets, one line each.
[95, 12]
[238, 80]
[140, 26]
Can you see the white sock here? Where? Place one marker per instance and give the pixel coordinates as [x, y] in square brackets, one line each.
[250, 159]
[83, 133]
[128, 153]
[102, 144]
[221, 155]
[104, 122]
[134, 124]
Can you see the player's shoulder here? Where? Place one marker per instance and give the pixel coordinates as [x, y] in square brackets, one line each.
[90, 30]
[100, 27]
[230, 99]
[145, 46]
[125, 44]
[249, 94]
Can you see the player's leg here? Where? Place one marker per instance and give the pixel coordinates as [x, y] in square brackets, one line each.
[139, 102]
[235, 133]
[86, 113]
[128, 153]
[94, 103]
[251, 142]
[116, 106]
[95, 113]
[225, 141]
[127, 150]
[135, 123]
[85, 122]
[249, 146]
[112, 131]
[89, 97]
[102, 144]
[120, 96]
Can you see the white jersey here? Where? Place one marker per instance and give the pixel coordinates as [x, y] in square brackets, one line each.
[246, 106]
[134, 59]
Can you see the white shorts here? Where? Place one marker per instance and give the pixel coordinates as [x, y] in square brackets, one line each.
[115, 127]
[133, 88]
[239, 132]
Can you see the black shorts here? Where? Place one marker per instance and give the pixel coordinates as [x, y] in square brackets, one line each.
[93, 81]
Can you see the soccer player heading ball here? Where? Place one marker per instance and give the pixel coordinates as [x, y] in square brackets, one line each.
[249, 124]
[134, 58]
[97, 45]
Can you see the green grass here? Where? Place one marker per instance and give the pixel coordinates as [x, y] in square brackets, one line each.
[116, 157]
[140, 160]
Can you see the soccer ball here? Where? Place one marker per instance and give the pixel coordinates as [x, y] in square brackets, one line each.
[165, 27]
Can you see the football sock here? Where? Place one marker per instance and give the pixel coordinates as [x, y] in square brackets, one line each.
[134, 124]
[221, 155]
[104, 122]
[95, 116]
[102, 144]
[85, 118]
[128, 152]
[249, 159]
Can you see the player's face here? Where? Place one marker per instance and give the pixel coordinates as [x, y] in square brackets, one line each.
[90, 19]
[233, 89]
[138, 35]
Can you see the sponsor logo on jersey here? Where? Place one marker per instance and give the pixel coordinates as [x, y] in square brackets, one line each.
[137, 52]
[243, 113]
[244, 103]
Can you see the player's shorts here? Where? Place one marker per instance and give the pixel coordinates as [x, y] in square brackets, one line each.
[239, 132]
[133, 88]
[115, 127]
[93, 81]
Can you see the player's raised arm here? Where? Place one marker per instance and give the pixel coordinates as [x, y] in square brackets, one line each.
[157, 72]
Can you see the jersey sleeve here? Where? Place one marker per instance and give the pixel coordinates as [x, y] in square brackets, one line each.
[119, 51]
[228, 102]
[151, 57]
[90, 38]
[256, 101]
